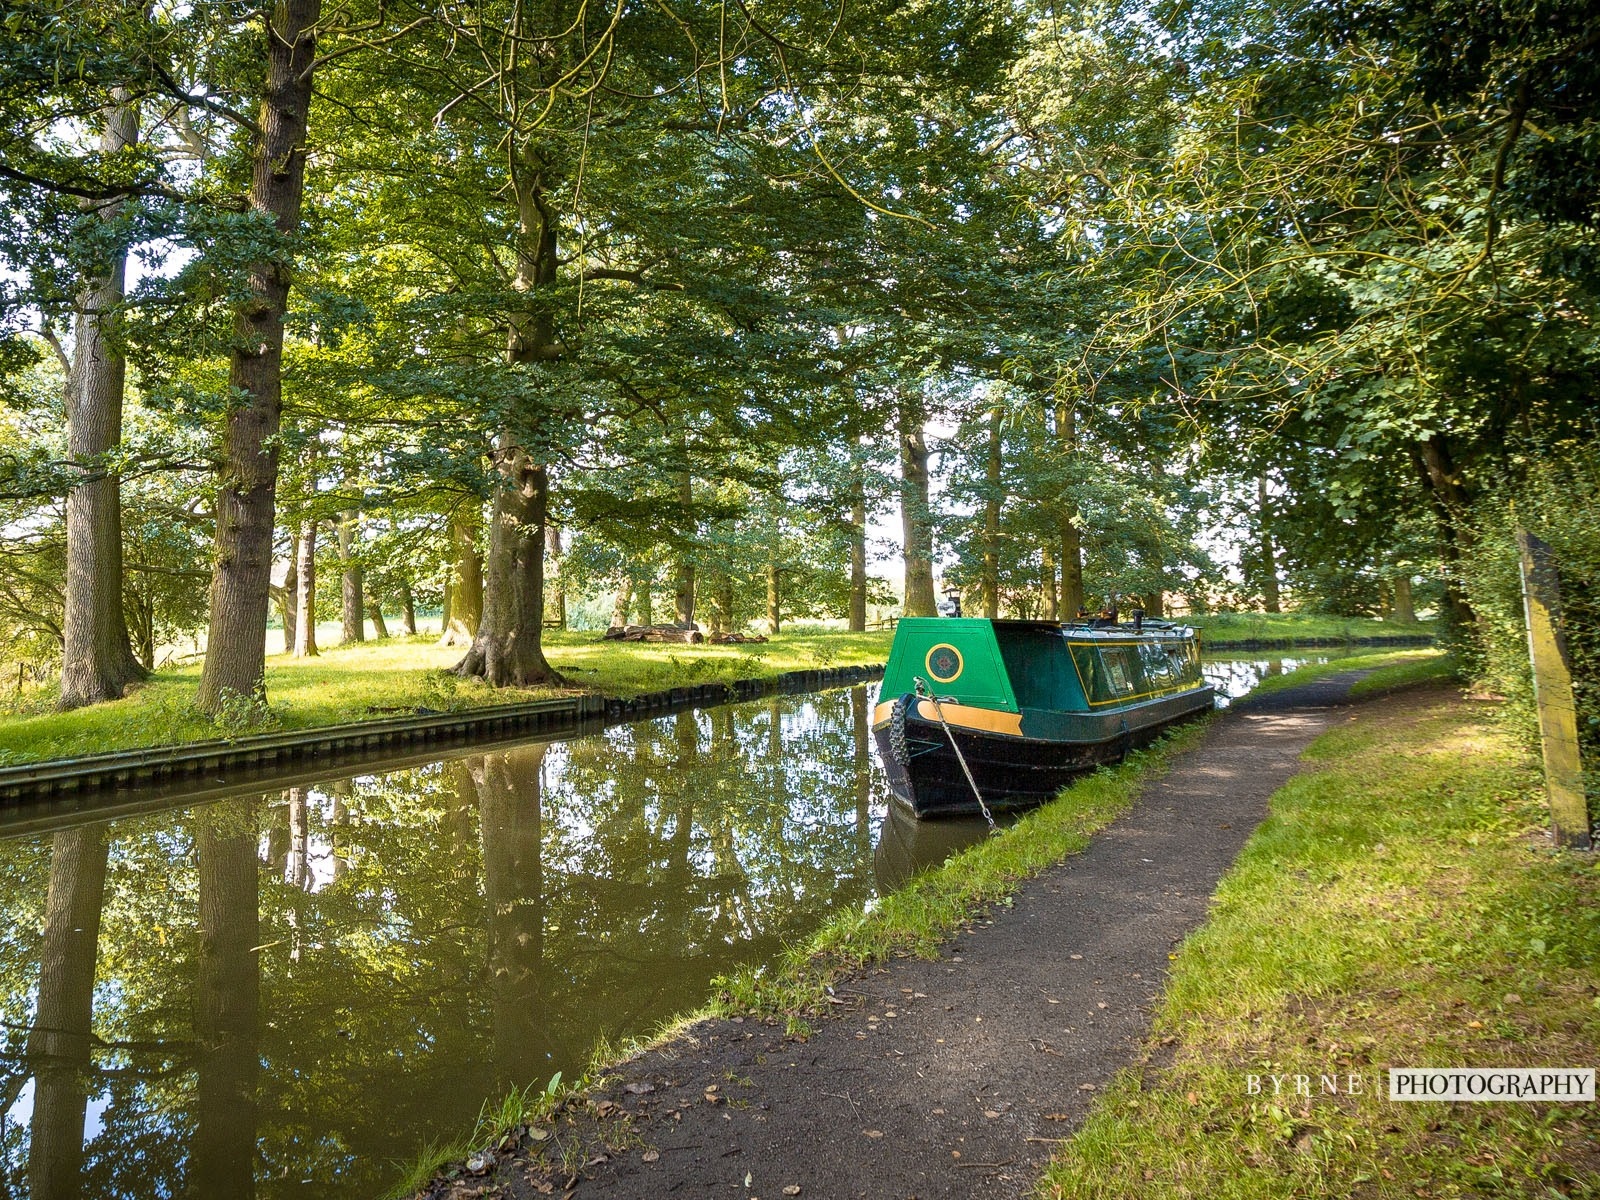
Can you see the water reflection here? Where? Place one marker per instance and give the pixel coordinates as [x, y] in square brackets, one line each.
[1234, 674]
[907, 846]
[285, 995]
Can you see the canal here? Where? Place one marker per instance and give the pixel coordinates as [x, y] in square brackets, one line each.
[291, 994]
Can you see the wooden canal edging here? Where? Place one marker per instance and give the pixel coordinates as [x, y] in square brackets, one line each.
[158, 775]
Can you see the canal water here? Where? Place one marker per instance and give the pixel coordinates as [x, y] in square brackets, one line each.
[290, 994]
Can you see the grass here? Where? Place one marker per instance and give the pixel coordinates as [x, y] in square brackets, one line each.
[1220, 629]
[519, 1109]
[1399, 907]
[359, 682]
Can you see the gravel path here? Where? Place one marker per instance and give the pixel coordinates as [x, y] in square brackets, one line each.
[950, 1078]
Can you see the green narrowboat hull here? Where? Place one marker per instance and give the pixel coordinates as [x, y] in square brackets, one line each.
[1024, 707]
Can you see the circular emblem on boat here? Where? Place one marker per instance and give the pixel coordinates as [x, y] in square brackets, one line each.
[944, 663]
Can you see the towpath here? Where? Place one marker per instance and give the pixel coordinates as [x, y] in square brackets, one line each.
[951, 1078]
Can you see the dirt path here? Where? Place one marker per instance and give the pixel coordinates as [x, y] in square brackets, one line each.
[950, 1078]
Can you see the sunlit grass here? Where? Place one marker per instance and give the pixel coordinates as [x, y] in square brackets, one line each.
[1398, 908]
[379, 678]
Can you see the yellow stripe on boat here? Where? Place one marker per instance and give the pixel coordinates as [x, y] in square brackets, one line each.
[960, 715]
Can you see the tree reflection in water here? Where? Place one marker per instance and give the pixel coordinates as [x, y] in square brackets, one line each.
[291, 993]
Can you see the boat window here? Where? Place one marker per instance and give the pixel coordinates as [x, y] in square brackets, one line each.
[1122, 671]
[1185, 659]
[1090, 671]
[1159, 668]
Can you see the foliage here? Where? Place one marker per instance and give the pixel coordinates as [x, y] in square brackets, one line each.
[1555, 499]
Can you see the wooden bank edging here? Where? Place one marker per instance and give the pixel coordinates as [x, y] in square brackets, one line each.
[257, 758]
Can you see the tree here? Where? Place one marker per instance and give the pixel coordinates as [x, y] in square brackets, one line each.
[242, 576]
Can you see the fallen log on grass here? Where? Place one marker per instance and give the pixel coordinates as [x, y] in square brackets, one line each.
[689, 634]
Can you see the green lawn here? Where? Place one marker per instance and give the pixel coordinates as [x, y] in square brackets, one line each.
[1400, 907]
[1289, 627]
[359, 682]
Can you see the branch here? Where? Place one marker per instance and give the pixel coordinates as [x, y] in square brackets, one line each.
[637, 277]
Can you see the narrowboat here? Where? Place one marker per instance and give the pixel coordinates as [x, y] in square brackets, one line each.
[979, 715]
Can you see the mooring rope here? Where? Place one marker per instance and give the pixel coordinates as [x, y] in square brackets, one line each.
[925, 692]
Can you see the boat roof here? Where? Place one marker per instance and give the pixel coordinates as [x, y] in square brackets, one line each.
[1123, 629]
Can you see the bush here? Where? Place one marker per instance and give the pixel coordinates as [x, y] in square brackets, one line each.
[1558, 500]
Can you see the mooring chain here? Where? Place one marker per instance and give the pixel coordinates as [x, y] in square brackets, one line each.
[925, 692]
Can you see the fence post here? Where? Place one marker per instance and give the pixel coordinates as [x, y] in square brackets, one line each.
[1552, 693]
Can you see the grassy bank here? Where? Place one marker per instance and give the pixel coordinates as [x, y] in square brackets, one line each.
[370, 679]
[1398, 908]
[1223, 628]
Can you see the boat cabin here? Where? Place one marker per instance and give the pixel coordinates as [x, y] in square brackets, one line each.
[1010, 666]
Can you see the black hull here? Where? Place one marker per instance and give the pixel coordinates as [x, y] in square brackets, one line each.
[1011, 772]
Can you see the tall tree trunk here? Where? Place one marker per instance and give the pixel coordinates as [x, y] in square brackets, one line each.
[465, 587]
[916, 518]
[511, 828]
[305, 549]
[1155, 604]
[774, 596]
[408, 610]
[558, 593]
[380, 627]
[858, 542]
[508, 647]
[1071, 535]
[1404, 606]
[623, 600]
[60, 1042]
[352, 581]
[227, 1004]
[722, 602]
[683, 574]
[1047, 573]
[242, 572]
[1450, 499]
[97, 659]
[288, 595]
[991, 520]
[1269, 550]
[642, 585]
